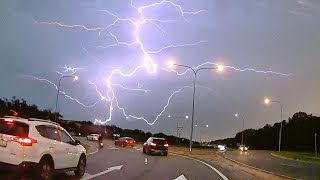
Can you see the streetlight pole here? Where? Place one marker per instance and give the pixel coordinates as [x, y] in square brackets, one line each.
[201, 131]
[178, 128]
[242, 127]
[194, 93]
[58, 93]
[315, 144]
[267, 101]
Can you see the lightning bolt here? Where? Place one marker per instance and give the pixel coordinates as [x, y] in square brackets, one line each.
[225, 67]
[147, 63]
[68, 70]
[63, 93]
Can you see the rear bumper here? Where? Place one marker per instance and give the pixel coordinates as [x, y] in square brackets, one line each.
[22, 167]
[159, 150]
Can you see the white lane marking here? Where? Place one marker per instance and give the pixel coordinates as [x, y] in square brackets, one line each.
[102, 173]
[211, 167]
[290, 165]
[182, 177]
[145, 161]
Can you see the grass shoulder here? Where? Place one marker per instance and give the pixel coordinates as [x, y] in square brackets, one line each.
[302, 156]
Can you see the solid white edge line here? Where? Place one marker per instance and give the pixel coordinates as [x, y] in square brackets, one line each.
[211, 167]
[93, 147]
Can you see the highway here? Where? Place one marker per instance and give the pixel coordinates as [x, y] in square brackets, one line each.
[120, 163]
[130, 163]
[266, 161]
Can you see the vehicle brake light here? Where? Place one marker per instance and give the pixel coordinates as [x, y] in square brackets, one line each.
[153, 144]
[26, 141]
[126, 141]
[166, 145]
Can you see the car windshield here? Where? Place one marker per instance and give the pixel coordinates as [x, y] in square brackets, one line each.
[172, 89]
[159, 141]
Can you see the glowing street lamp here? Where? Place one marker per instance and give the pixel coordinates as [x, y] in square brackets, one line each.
[219, 68]
[75, 78]
[268, 101]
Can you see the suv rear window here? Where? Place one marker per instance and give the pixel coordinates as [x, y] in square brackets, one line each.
[159, 141]
[14, 128]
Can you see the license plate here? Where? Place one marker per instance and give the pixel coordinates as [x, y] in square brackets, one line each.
[3, 143]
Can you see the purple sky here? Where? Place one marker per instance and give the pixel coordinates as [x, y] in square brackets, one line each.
[280, 36]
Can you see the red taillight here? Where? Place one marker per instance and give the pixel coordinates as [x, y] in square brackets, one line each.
[166, 145]
[153, 144]
[126, 141]
[26, 141]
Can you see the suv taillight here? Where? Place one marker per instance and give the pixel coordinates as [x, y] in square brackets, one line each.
[25, 141]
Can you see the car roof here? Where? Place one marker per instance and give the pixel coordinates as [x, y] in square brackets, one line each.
[32, 121]
[158, 138]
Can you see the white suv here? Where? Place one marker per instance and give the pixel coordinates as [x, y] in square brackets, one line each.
[40, 145]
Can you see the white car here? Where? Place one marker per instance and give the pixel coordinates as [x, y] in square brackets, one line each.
[94, 137]
[41, 146]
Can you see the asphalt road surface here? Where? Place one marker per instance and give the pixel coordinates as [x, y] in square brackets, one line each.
[130, 163]
[264, 160]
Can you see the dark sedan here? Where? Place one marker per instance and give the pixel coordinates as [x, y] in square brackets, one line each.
[156, 145]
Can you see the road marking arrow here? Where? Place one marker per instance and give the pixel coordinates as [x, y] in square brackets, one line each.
[103, 172]
[182, 177]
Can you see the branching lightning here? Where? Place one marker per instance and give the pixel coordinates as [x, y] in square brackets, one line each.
[147, 63]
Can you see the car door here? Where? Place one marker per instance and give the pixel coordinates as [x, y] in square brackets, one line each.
[55, 146]
[72, 153]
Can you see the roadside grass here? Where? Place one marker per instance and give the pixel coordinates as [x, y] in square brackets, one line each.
[86, 146]
[303, 156]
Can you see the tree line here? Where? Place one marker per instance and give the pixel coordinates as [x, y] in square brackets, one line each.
[298, 134]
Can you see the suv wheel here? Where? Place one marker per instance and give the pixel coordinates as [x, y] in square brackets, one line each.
[45, 170]
[81, 168]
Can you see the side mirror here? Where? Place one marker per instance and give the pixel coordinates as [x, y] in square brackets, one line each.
[77, 142]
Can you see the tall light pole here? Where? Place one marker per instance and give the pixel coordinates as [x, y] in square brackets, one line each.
[201, 131]
[58, 92]
[178, 128]
[195, 71]
[237, 115]
[268, 101]
[315, 145]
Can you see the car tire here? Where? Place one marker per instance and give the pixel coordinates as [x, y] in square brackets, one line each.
[148, 151]
[165, 154]
[45, 169]
[81, 168]
[143, 151]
